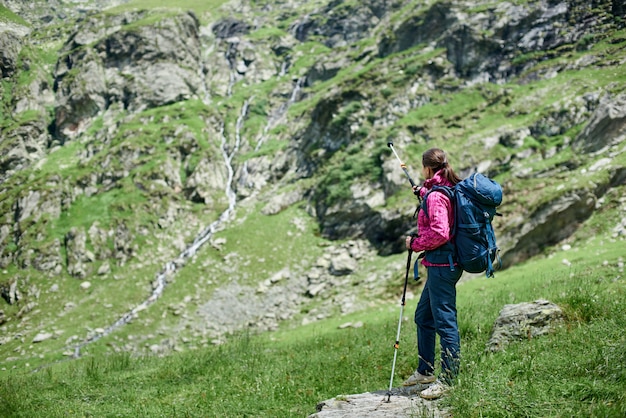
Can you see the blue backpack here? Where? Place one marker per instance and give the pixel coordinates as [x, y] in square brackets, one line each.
[475, 200]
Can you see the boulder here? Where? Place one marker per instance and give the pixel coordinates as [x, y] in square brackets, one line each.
[79, 258]
[42, 336]
[342, 264]
[10, 292]
[403, 403]
[524, 321]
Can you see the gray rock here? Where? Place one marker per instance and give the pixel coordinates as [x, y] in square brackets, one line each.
[229, 27]
[10, 292]
[104, 269]
[606, 127]
[316, 289]
[339, 27]
[47, 259]
[10, 46]
[42, 336]
[342, 264]
[402, 403]
[279, 202]
[139, 67]
[547, 225]
[524, 321]
[206, 181]
[79, 259]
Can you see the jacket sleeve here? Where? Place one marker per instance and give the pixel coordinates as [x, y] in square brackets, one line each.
[438, 223]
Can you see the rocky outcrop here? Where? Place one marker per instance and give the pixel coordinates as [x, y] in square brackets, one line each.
[10, 46]
[340, 24]
[237, 58]
[549, 224]
[79, 258]
[10, 292]
[230, 27]
[606, 127]
[560, 217]
[116, 60]
[516, 30]
[25, 140]
[418, 28]
[24, 145]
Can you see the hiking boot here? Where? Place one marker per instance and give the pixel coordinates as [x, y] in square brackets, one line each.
[418, 378]
[435, 391]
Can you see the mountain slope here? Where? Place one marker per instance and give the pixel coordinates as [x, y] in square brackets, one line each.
[195, 171]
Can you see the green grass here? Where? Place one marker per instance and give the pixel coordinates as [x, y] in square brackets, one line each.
[7, 15]
[353, 166]
[579, 370]
[199, 7]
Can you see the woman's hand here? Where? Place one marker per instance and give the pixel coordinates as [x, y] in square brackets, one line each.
[408, 242]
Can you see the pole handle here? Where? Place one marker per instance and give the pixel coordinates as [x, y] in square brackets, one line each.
[402, 165]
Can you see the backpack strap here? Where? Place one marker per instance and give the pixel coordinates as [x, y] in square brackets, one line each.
[449, 192]
[492, 247]
[446, 190]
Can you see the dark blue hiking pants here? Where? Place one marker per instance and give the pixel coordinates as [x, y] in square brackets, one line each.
[436, 314]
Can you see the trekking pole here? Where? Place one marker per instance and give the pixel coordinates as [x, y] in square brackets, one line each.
[402, 165]
[397, 344]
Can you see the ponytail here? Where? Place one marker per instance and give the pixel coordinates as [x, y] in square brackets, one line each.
[436, 160]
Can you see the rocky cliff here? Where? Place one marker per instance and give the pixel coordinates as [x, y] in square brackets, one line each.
[132, 137]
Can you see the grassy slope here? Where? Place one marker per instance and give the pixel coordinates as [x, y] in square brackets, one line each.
[576, 371]
[303, 371]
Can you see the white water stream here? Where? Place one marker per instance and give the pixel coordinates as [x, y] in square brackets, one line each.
[172, 266]
[280, 113]
[161, 278]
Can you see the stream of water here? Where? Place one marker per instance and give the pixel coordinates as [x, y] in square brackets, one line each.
[171, 267]
[160, 281]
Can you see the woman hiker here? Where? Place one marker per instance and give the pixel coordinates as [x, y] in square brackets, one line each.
[436, 309]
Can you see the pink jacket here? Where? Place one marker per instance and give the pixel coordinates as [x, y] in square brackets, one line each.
[434, 230]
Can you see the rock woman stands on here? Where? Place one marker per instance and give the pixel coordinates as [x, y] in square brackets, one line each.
[436, 309]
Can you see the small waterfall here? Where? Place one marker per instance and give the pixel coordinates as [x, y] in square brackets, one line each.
[296, 91]
[283, 68]
[275, 118]
[170, 267]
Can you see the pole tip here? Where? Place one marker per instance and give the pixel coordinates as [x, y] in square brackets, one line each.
[390, 144]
